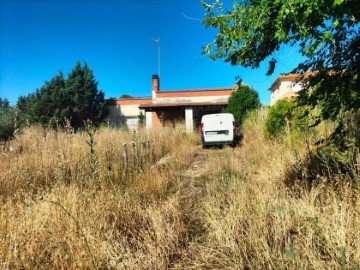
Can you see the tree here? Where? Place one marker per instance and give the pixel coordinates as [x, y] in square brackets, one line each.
[75, 99]
[326, 31]
[242, 101]
[126, 96]
[46, 105]
[87, 103]
[49, 102]
[7, 120]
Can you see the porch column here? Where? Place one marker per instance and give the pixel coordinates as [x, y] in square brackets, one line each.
[189, 121]
[148, 119]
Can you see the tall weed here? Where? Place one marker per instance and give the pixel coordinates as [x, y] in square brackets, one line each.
[253, 220]
[233, 208]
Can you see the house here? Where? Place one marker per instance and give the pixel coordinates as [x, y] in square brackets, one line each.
[169, 106]
[125, 112]
[285, 86]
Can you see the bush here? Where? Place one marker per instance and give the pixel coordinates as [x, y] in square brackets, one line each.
[338, 154]
[279, 115]
[242, 101]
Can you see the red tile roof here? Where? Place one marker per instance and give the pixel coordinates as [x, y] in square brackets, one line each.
[129, 101]
[290, 77]
[195, 93]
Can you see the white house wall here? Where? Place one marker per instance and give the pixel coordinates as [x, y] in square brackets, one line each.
[283, 89]
[130, 110]
[124, 115]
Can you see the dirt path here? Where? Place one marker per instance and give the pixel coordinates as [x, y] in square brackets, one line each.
[193, 191]
[193, 181]
[198, 167]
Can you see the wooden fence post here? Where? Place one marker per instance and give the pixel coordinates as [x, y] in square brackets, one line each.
[125, 156]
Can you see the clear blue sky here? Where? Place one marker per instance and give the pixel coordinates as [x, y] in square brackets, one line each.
[38, 38]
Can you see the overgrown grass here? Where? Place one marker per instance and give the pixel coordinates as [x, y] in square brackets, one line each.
[254, 219]
[67, 202]
[64, 206]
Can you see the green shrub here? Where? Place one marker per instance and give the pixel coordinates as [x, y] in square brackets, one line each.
[278, 117]
[338, 154]
[241, 102]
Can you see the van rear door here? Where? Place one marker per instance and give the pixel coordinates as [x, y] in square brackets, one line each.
[217, 128]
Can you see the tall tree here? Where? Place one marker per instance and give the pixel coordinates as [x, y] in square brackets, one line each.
[328, 35]
[87, 103]
[43, 106]
[75, 99]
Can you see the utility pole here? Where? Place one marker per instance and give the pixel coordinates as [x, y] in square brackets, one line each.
[157, 41]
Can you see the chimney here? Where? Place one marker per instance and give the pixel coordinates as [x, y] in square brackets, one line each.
[155, 83]
[155, 87]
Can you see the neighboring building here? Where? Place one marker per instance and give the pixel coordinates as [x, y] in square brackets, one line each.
[284, 86]
[169, 106]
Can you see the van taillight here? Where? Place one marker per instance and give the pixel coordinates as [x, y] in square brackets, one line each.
[202, 128]
[234, 126]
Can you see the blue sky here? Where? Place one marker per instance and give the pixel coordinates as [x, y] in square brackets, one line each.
[38, 38]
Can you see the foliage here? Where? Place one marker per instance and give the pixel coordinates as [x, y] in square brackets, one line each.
[338, 154]
[7, 120]
[46, 105]
[141, 118]
[332, 159]
[279, 115]
[286, 114]
[242, 101]
[88, 102]
[75, 99]
[327, 33]
[126, 96]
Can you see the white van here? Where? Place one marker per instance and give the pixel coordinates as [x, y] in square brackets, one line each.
[217, 129]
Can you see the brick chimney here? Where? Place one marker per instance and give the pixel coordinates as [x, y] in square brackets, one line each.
[155, 86]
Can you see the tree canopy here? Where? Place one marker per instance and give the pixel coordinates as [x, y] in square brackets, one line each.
[75, 100]
[242, 101]
[7, 120]
[326, 31]
[126, 96]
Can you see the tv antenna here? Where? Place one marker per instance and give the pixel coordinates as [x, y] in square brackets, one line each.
[157, 41]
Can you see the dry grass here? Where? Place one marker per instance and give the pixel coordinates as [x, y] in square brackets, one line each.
[60, 209]
[252, 220]
[65, 208]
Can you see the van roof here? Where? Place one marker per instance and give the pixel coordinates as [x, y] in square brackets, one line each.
[218, 114]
